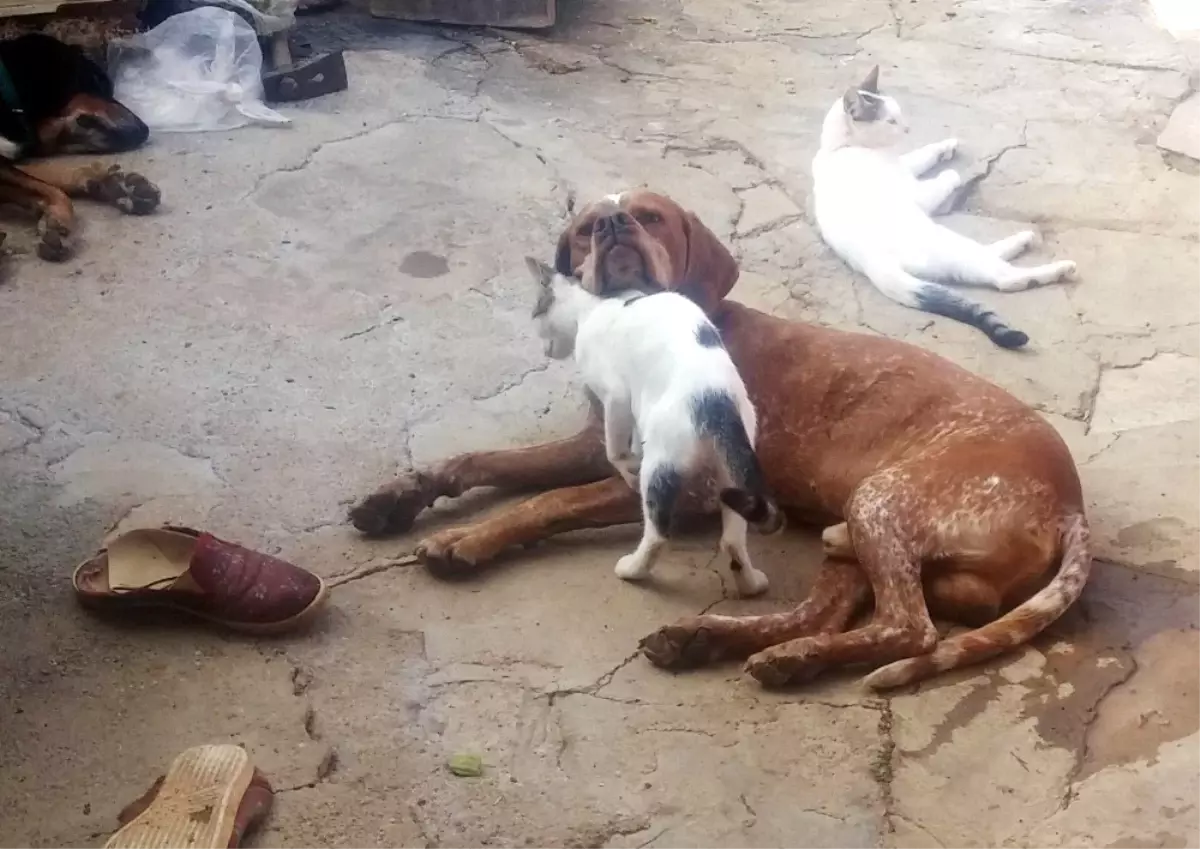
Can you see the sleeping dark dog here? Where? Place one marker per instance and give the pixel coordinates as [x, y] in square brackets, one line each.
[55, 100]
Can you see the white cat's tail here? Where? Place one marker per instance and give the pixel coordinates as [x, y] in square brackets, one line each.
[935, 298]
[716, 416]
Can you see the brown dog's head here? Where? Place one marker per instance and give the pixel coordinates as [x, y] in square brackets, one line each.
[643, 240]
[65, 101]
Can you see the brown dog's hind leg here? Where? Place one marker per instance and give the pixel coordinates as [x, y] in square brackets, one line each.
[128, 191]
[840, 591]
[56, 221]
[595, 505]
[576, 460]
[901, 626]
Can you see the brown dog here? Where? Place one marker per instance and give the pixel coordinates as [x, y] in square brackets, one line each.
[951, 495]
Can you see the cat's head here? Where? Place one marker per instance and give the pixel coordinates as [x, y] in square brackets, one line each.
[872, 119]
[556, 322]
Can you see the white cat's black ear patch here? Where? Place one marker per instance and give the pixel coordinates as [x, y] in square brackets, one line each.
[862, 102]
[862, 106]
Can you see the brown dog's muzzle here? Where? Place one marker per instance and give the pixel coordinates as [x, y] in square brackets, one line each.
[623, 255]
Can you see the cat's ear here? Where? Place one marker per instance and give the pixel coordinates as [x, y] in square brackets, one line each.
[859, 106]
[541, 272]
[871, 83]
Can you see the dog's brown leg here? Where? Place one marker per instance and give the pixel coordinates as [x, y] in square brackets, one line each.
[129, 192]
[901, 626]
[595, 505]
[56, 221]
[840, 591]
[577, 460]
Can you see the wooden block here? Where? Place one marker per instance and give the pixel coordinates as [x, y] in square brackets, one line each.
[518, 14]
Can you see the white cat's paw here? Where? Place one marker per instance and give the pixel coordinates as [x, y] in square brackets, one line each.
[751, 582]
[628, 468]
[1067, 270]
[1029, 239]
[948, 148]
[631, 568]
[951, 178]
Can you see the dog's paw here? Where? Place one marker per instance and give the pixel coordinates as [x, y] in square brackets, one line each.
[128, 191]
[454, 551]
[774, 667]
[54, 243]
[394, 508]
[684, 645]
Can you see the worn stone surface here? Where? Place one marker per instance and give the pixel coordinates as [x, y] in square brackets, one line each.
[318, 306]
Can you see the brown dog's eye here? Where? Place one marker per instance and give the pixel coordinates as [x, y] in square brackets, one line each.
[584, 229]
[648, 217]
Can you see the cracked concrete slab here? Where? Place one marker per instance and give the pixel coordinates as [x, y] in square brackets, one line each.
[318, 306]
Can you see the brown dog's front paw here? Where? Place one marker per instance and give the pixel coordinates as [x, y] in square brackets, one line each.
[128, 191]
[55, 242]
[454, 552]
[394, 508]
[684, 645]
[773, 668]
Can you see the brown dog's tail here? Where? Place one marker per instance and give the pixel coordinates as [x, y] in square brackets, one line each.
[1012, 629]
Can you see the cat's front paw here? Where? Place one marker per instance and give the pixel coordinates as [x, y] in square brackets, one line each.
[631, 567]
[951, 179]
[627, 467]
[947, 149]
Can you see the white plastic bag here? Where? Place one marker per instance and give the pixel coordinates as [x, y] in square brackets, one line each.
[198, 70]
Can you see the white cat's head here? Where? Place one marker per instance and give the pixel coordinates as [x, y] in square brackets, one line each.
[556, 316]
[872, 119]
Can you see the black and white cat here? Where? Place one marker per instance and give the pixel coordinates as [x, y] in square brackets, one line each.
[876, 213]
[668, 387]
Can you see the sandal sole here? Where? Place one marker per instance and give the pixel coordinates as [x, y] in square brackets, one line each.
[196, 805]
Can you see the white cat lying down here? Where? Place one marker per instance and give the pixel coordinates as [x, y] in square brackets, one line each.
[875, 213]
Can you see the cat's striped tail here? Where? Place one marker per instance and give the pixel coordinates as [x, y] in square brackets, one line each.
[1014, 628]
[935, 298]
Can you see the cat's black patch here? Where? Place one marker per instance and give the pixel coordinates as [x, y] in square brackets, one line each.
[708, 337]
[942, 301]
[661, 495]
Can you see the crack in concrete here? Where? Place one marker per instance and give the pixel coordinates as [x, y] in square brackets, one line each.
[768, 227]
[39, 431]
[1071, 790]
[512, 383]
[989, 165]
[597, 685]
[1097, 63]
[366, 570]
[561, 183]
[262, 179]
[883, 763]
[377, 326]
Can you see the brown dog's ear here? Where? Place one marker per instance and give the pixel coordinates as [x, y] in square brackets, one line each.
[562, 256]
[711, 270]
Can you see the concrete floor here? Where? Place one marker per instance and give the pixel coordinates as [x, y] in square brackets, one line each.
[320, 305]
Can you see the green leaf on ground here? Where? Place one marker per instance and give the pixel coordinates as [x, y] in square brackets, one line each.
[466, 766]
